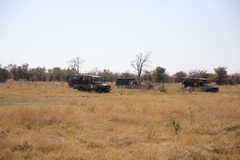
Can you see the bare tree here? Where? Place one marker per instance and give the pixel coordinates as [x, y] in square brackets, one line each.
[178, 76]
[94, 71]
[198, 73]
[75, 63]
[140, 63]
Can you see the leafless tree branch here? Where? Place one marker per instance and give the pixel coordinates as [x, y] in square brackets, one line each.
[140, 63]
[75, 63]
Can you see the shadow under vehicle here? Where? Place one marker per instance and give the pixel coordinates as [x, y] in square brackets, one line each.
[198, 83]
[85, 82]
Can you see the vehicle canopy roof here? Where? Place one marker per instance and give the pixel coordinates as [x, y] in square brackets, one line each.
[85, 75]
[126, 79]
[195, 79]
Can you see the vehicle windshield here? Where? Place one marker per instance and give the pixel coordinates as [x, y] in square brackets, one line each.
[206, 82]
[97, 80]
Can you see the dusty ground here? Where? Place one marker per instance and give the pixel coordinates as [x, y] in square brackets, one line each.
[52, 121]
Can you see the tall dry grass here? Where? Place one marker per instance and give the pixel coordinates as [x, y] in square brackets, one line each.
[52, 121]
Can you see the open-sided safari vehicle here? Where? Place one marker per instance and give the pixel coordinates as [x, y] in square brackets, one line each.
[84, 82]
[202, 83]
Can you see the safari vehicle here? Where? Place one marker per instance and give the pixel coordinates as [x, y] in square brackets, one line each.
[195, 83]
[126, 83]
[84, 82]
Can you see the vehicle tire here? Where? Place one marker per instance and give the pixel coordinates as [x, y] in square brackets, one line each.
[99, 90]
[70, 84]
[80, 89]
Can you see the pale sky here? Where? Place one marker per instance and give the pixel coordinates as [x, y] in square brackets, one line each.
[107, 34]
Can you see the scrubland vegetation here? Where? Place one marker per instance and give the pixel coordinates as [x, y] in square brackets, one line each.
[49, 120]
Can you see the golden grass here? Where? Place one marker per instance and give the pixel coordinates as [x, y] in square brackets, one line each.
[49, 120]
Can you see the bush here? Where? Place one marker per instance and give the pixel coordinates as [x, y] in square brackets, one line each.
[3, 75]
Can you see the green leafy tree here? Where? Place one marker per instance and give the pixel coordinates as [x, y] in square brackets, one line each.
[15, 72]
[221, 75]
[57, 74]
[24, 74]
[160, 75]
[3, 75]
[68, 73]
[19, 72]
[37, 74]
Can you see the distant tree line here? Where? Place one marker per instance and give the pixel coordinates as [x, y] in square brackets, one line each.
[34, 74]
[158, 75]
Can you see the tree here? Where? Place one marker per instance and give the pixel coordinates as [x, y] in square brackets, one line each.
[38, 74]
[221, 75]
[75, 63]
[94, 71]
[126, 74]
[159, 75]
[24, 72]
[178, 76]
[68, 73]
[19, 72]
[234, 79]
[140, 63]
[148, 75]
[198, 73]
[57, 74]
[107, 75]
[3, 75]
[15, 73]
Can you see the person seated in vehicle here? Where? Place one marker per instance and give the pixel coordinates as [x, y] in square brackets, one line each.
[80, 80]
[195, 84]
[87, 81]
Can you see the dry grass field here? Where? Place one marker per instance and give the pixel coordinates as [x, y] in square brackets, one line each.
[49, 120]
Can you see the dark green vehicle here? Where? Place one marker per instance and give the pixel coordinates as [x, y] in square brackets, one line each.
[84, 82]
[199, 83]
